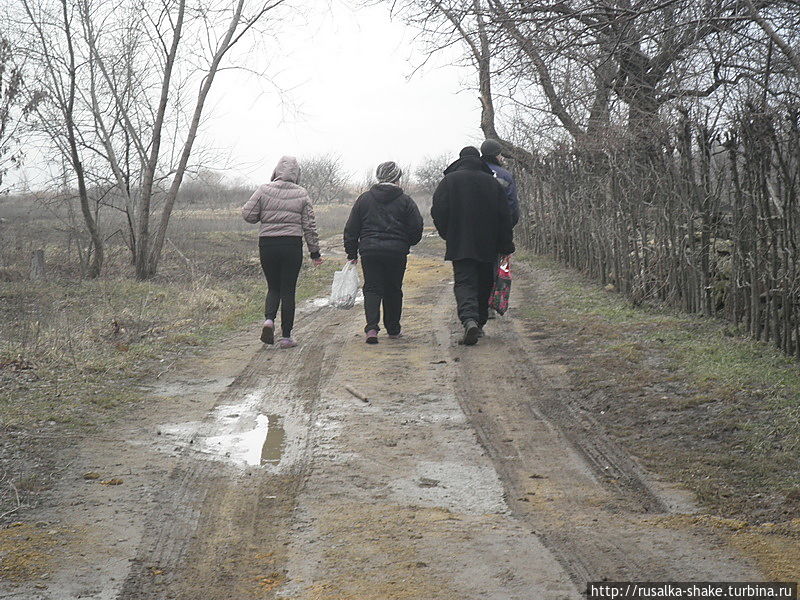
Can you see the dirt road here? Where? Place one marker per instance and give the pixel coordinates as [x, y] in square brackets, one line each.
[469, 473]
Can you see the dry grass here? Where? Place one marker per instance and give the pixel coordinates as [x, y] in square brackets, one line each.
[71, 349]
[717, 412]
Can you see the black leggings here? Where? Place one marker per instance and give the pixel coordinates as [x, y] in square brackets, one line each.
[281, 259]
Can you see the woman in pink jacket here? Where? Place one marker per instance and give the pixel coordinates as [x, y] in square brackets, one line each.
[284, 210]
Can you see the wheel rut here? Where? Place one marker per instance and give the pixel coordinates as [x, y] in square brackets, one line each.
[470, 473]
[586, 499]
[215, 531]
[402, 502]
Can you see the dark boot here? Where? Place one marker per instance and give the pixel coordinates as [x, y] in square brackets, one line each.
[471, 331]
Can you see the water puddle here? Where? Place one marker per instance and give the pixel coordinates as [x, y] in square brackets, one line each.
[238, 433]
[272, 450]
[325, 301]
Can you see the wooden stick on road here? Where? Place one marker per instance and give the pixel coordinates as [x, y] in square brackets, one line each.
[357, 394]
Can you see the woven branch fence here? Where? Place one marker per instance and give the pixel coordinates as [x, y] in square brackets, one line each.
[702, 219]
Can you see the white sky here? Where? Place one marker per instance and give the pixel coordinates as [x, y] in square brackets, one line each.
[347, 72]
[346, 90]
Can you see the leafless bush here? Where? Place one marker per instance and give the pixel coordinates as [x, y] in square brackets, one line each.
[324, 178]
[430, 172]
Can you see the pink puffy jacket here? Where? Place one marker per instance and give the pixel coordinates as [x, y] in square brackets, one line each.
[283, 207]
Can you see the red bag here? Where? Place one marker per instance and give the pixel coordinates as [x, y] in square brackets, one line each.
[498, 300]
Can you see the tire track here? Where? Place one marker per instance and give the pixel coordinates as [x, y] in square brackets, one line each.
[214, 533]
[579, 492]
[402, 502]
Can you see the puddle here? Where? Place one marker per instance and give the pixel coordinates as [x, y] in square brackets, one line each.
[272, 450]
[322, 302]
[238, 433]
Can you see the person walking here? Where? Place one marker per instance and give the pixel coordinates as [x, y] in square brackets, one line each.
[284, 210]
[491, 153]
[383, 225]
[470, 212]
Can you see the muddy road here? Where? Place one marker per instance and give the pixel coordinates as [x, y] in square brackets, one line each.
[468, 473]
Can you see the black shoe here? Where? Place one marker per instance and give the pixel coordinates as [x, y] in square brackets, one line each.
[471, 331]
[268, 332]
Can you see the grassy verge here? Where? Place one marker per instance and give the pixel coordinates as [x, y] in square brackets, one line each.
[714, 411]
[72, 350]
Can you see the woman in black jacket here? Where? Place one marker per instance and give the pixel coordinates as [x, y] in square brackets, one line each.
[383, 225]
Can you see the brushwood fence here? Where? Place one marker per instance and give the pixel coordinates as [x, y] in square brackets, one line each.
[705, 219]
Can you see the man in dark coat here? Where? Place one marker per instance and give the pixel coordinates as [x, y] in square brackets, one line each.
[470, 212]
[383, 225]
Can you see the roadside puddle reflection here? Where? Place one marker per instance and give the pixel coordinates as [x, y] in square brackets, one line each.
[272, 450]
[237, 433]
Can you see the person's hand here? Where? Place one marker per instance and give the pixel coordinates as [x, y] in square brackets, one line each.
[317, 261]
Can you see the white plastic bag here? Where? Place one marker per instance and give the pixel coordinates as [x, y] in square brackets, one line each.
[345, 287]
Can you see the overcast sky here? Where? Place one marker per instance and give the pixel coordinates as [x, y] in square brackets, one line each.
[347, 71]
[347, 90]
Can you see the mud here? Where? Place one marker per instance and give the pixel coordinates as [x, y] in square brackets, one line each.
[470, 474]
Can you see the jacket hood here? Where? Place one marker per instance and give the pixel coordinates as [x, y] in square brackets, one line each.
[386, 192]
[469, 163]
[288, 169]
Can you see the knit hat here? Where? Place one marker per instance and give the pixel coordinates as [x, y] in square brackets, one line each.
[469, 151]
[491, 148]
[388, 172]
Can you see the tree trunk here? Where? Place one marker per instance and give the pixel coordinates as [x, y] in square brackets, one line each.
[144, 267]
[91, 224]
[169, 202]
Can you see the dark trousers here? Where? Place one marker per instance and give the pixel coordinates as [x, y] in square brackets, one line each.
[281, 259]
[473, 282]
[383, 283]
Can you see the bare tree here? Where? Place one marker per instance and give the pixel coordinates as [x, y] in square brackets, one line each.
[666, 138]
[363, 183]
[445, 23]
[52, 46]
[430, 172]
[15, 106]
[774, 35]
[324, 178]
[577, 63]
[132, 95]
